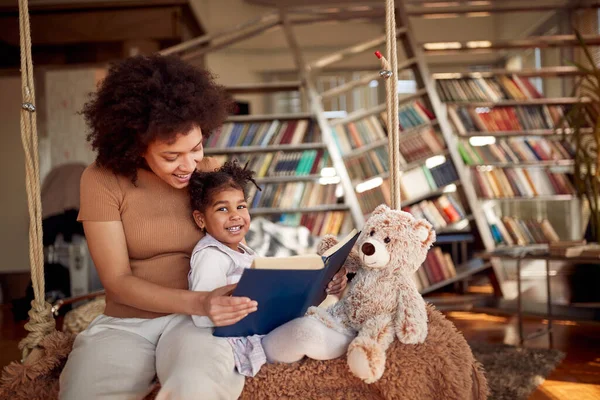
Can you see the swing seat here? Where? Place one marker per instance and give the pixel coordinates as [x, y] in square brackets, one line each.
[441, 368]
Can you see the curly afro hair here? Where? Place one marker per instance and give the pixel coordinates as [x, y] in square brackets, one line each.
[203, 185]
[147, 98]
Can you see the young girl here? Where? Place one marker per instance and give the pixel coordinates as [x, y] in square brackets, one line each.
[220, 257]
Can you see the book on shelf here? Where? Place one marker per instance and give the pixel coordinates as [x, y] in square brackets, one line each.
[319, 224]
[495, 183]
[291, 195]
[512, 231]
[438, 267]
[574, 248]
[487, 89]
[368, 164]
[419, 182]
[467, 119]
[516, 150]
[264, 133]
[441, 212]
[288, 163]
[285, 287]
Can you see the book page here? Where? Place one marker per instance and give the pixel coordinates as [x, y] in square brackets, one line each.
[302, 262]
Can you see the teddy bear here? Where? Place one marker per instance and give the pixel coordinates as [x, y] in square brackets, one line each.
[382, 300]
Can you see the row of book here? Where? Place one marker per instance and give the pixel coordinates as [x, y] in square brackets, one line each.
[292, 195]
[438, 267]
[369, 164]
[440, 212]
[487, 89]
[357, 134]
[414, 145]
[319, 224]
[410, 115]
[506, 118]
[265, 133]
[492, 183]
[516, 150]
[293, 163]
[420, 182]
[512, 231]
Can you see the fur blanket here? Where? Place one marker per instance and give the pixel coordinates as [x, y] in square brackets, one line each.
[441, 368]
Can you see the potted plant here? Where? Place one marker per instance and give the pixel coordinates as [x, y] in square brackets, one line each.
[578, 120]
[582, 116]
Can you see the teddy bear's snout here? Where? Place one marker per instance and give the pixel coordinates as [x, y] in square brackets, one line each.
[368, 249]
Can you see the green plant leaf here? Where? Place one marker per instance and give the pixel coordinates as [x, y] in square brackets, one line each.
[586, 50]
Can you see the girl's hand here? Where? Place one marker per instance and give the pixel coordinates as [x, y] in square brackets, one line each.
[338, 283]
[223, 309]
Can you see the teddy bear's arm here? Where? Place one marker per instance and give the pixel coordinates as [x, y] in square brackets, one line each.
[411, 317]
[366, 353]
[352, 263]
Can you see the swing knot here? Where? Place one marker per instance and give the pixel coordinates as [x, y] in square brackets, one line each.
[28, 106]
[41, 323]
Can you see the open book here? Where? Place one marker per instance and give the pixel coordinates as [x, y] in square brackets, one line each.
[285, 287]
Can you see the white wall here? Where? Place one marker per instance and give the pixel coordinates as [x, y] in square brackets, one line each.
[14, 217]
[66, 91]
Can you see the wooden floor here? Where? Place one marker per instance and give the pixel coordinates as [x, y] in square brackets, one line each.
[577, 377]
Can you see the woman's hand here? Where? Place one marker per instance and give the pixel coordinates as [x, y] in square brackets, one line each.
[223, 309]
[338, 283]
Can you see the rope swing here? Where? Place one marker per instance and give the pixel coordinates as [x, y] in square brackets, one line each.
[389, 70]
[41, 322]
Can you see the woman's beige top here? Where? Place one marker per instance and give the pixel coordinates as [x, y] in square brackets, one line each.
[158, 224]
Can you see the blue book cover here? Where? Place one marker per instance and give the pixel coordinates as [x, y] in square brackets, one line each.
[286, 294]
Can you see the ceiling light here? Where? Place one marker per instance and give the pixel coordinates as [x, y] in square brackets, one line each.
[442, 4]
[440, 16]
[478, 14]
[478, 44]
[447, 75]
[442, 45]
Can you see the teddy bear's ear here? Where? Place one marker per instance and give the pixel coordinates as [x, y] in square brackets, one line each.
[380, 209]
[425, 232]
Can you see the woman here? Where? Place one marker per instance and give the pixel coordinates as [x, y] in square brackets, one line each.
[147, 123]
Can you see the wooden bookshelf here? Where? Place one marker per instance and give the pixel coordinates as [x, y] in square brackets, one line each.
[303, 210]
[268, 117]
[285, 179]
[559, 71]
[267, 87]
[433, 193]
[384, 142]
[455, 227]
[550, 133]
[452, 238]
[360, 114]
[265, 149]
[556, 197]
[529, 43]
[530, 102]
[463, 271]
[527, 164]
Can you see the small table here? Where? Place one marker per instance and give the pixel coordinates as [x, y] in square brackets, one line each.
[535, 252]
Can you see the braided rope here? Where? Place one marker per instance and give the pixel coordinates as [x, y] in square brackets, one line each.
[41, 322]
[390, 69]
